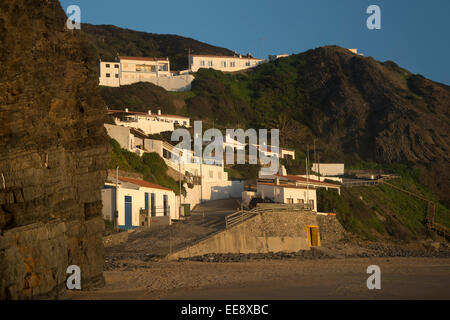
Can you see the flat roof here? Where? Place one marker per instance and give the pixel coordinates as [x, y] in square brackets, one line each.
[213, 56]
[284, 185]
[146, 114]
[142, 58]
[311, 181]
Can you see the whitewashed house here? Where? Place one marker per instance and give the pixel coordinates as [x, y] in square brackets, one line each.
[222, 63]
[148, 122]
[329, 169]
[132, 196]
[288, 193]
[130, 70]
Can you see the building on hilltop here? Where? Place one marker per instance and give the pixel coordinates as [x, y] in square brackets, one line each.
[148, 122]
[130, 70]
[222, 63]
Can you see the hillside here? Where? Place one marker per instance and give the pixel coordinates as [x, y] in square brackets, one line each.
[108, 41]
[361, 110]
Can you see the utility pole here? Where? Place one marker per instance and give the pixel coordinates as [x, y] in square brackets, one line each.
[116, 211]
[307, 174]
[179, 175]
[315, 157]
[262, 46]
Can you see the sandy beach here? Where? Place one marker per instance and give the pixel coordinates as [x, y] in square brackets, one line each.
[401, 278]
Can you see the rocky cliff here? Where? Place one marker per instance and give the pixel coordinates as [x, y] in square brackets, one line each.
[53, 152]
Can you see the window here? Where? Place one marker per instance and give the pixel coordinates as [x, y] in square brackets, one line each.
[153, 204]
[247, 64]
[232, 64]
[202, 63]
[108, 75]
[290, 201]
[107, 65]
[166, 154]
[116, 66]
[311, 203]
[117, 76]
[300, 201]
[224, 64]
[185, 123]
[210, 63]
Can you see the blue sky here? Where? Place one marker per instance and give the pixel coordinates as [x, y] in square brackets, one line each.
[414, 33]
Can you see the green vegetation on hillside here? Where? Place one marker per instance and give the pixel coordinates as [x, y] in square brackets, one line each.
[108, 41]
[151, 166]
[377, 212]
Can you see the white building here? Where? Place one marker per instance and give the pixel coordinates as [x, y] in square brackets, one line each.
[211, 180]
[134, 195]
[329, 169]
[272, 151]
[148, 122]
[129, 70]
[128, 138]
[274, 57]
[222, 63]
[287, 193]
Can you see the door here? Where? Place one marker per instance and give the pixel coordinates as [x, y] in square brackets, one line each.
[128, 211]
[165, 205]
[146, 201]
[153, 205]
[313, 236]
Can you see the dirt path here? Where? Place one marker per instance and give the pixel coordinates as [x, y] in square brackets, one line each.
[401, 278]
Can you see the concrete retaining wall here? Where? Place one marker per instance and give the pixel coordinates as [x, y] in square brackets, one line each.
[268, 232]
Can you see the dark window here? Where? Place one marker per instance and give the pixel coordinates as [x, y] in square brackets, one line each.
[116, 66]
[108, 75]
[107, 65]
[166, 206]
[153, 204]
[117, 76]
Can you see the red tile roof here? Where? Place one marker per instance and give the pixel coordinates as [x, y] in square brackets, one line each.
[143, 183]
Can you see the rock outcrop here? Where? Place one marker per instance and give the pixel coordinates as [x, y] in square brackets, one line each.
[53, 152]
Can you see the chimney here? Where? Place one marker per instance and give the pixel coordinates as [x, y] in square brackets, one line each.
[150, 112]
[126, 109]
[159, 112]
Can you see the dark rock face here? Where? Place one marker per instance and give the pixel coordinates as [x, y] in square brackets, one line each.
[53, 152]
[380, 111]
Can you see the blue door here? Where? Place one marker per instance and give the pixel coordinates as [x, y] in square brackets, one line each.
[146, 201]
[128, 212]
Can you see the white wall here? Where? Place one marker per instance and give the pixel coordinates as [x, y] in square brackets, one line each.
[329, 169]
[282, 194]
[122, 135]
[149, 124]
[138, 202]
[109, 68]
[216, 62]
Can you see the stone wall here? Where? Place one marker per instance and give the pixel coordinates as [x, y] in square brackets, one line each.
[53, 152]
[268, 232]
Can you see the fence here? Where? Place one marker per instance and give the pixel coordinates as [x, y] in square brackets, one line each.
[243, 215]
